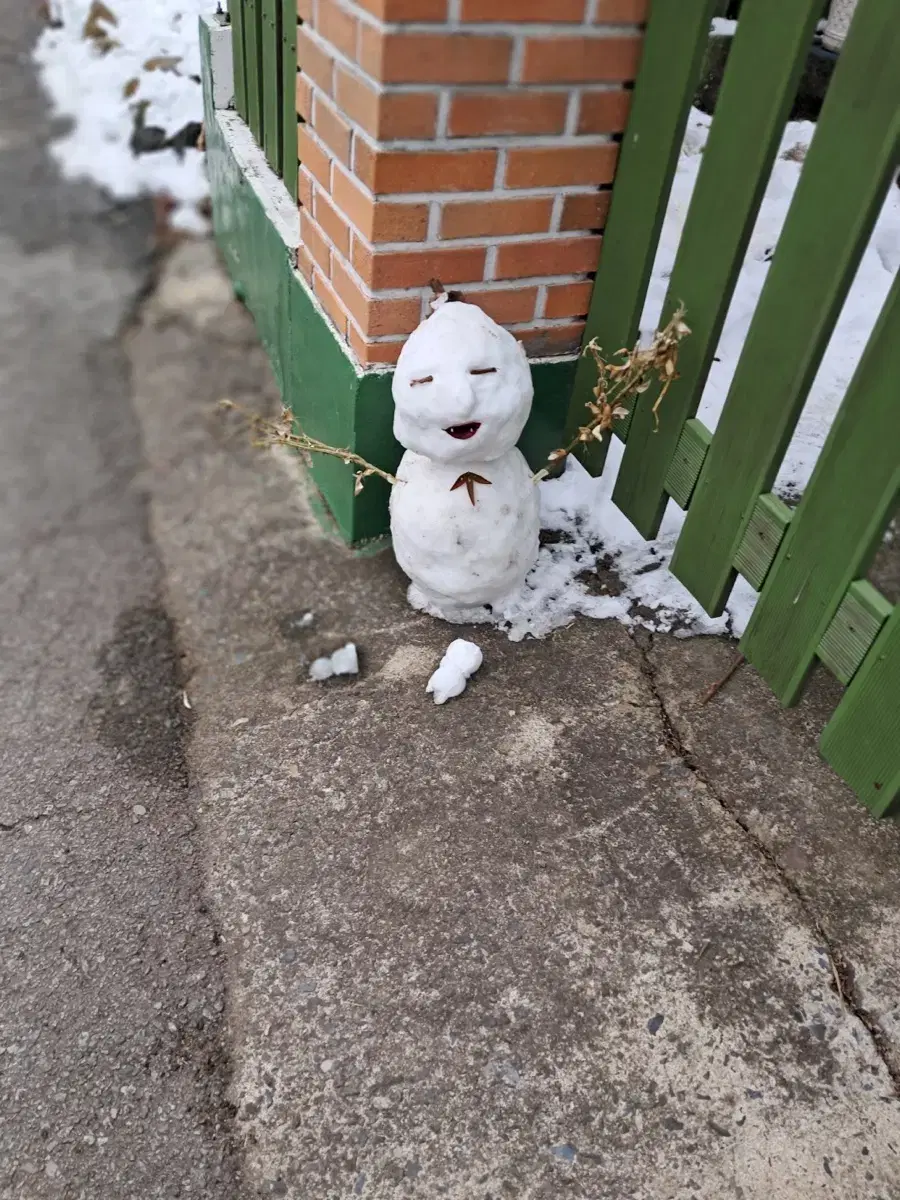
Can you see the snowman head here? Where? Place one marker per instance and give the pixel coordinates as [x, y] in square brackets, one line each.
[462, 388]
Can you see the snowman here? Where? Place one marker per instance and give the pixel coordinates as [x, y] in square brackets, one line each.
[464, 512]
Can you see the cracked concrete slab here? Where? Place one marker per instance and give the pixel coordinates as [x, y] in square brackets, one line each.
[514, 946]
[761, 761]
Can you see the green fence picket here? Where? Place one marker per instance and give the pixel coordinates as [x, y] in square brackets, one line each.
[839, 522]
[272, 74]
[253, 66]
[236, 17]
[840, 191]
[853, 629]
[289, 95]
[746, 132]
[674, 45]
[862, 739]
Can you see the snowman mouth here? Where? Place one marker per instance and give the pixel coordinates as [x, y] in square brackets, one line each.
[463, 432]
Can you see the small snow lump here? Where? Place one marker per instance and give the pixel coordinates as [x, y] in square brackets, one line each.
[343, 662]
[461, 660]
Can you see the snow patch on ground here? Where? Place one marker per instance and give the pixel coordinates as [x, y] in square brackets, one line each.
[591, 533]
[90, 88]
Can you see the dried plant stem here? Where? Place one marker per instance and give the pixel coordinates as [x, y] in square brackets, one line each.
[281, 433]
[716, 687]
[621, 382]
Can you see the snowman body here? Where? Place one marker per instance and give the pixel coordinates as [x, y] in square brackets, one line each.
[464, 510]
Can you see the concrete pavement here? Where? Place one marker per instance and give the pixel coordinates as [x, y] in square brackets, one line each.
[112, 1071]
[570, 935]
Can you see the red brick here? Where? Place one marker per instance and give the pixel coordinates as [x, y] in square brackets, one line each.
[494, 218]
[375, 317]
[313, 157]
[334, 131]
[407, 115]
[568, 300]
[416, 268]
[333, 225]
[329, 300]
[604, 112]
[305, 264]
[507, 306]
[382, 220]
[311, 237]
[553, 166]
[304, 96]
[585, 212]
[551, 339]
[406, 10]
[314, 62]
[562, 256]
[373, 353]
[622, 12]
[434, 57]
[581, 60]
[397, 171]
[474, 114]
[522, 10]
[305, 190]
[386, 115]
[337, 26]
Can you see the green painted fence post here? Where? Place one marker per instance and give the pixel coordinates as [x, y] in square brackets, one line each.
[289, 166]
[862, 740]
[746, 132]
[272, 68]
[236, 16]
[838, 523]
[841, 188]
[674, 45]
[253, 66]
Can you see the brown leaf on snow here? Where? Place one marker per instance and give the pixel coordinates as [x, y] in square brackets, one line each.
[796, 153]
[163, 62]
[94, 26]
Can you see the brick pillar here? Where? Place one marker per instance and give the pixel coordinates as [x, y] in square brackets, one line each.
[470, 141]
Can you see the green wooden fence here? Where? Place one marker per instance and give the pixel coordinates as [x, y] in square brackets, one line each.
[809, 564]
[264, 45]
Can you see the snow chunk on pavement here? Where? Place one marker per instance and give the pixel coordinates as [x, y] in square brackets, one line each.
[460, 660]
[343, 662]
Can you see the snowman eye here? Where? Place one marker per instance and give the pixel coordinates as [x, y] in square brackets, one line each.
[424, 379]
[483, 371]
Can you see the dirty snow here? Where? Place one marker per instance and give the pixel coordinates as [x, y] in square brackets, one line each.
[592, 532]
[461, 660]
[89, 88]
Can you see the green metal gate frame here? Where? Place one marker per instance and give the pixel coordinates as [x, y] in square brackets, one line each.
[808, 564]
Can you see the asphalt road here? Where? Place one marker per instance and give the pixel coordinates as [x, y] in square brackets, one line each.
[112, 1076]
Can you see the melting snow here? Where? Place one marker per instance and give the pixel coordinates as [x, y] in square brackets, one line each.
[99, 92]
[592, 532]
